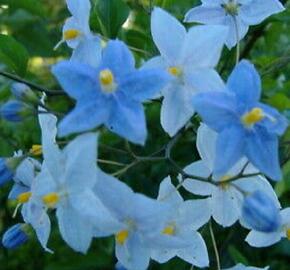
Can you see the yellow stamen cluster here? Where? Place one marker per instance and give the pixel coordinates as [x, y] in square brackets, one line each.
[24, 197]
[107, 81]
[288, 234]
[122, 236]
[36, 150]
[175, 71]
[223, 182]
[253, 117]
[71, 34]
[51, 199]
[169, 230]
[232, 7]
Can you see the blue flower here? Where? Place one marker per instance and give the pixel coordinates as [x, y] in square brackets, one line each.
[261, 213]
[15, 236]
[245, 126]
[6, 174]
[111, 94]
[190, 58]
[15, 111]
[238, 14]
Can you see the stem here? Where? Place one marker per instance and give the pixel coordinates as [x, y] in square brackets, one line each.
[238, 39]
[31, 84]
[214, 246]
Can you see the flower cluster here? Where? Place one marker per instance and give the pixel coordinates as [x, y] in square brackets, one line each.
[237, 141]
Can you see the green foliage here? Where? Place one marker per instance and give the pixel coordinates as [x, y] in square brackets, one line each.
[36, 25]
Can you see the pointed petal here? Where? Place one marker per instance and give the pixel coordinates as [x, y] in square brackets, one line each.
[176, 108]
[168, 193]
[168, 45]
[79, 9]
[260, 239]
[257, 11]
[127, 119]
[207, 15]
[262, 151]
[229, 149]
[203, 45]
[245, 82]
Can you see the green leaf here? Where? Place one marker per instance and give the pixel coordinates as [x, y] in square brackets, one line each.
[13, 55]
[237, 256]
[32, 6]
[111, 16]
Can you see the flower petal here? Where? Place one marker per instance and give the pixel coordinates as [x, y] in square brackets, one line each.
[260, 239]
[206, 14]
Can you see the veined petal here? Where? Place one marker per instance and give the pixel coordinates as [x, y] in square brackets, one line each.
[206, 14]
[144, 84]
[88, 52]
[168, 193]
[229, 149]
[197, 253]
[74, 231]
[262, 151]
[118, 58]
[258, 10]
[245, 82]
[176, 108]
[79, 80]
[85, 117]
[127, 119]
[218, 109]
[205, 79]
[168, 45]
[260, 239]
[80, 166]
[203, 45]
[206, 145]
[133, 254]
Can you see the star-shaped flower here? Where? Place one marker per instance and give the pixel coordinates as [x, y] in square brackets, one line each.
[245, 126]
[225, 199]
[238, 15]
[111, 94]
[190, 58]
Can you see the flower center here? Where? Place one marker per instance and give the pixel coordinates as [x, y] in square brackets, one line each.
[254, 116]
[24, 197]
[232, 7]
[175, 71]
[51, 199]
[122, 236]
[71, 34]
[224, 184]
[169, 230]
[36, 150]
[107, 81]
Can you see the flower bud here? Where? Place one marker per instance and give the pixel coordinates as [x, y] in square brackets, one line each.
[8, 167]
[119, 266]
[24, 93]
[15, 111]
[15, 236]
[260, 212]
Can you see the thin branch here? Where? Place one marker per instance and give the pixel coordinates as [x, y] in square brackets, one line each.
[31, 84]
[214, 246]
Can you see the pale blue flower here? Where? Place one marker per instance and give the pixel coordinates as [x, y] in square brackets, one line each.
[262, 239]
[238, 14]
[15, 111]
[190, 58]
[225, 200]
[15, 236]
[243, 267]
[111, 94]
[185, 219]
[141, 219]
[76, 28]
[245, 126]
[260, 212]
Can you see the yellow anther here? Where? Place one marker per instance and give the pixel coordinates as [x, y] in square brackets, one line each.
[169, 230]
[106, 77]
[71, 34]
[232, 7]
[36, 150]
[253, 117]
[122, 236]
[223, 182]
[50, 199]
[175, 71]
[24, 197]
[288, 234]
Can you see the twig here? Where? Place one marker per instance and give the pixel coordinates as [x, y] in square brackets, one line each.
[214, 246]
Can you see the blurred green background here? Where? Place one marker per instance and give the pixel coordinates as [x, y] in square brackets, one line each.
[29, 31]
